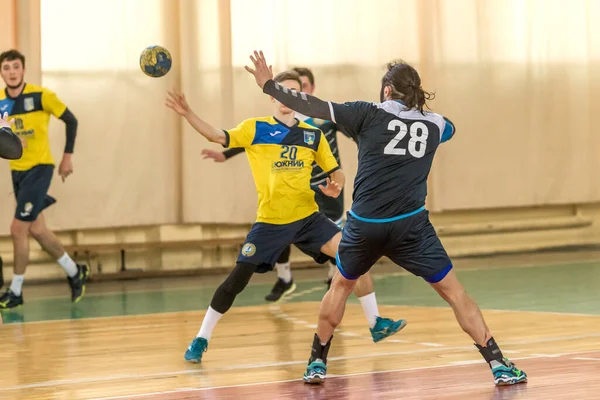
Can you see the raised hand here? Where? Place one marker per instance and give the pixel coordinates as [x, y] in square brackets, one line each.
[262, 72]
[176, 101]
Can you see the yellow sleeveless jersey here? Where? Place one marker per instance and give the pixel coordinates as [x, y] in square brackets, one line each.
[281, 160]
[31, 111]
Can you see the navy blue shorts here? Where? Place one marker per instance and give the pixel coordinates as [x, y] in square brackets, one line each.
[265, 242]
[31, 191]
[410, 242]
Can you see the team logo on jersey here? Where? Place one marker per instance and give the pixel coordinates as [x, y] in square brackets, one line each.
[28, 104]
[249, 250]
[27, 210]
[309, 138]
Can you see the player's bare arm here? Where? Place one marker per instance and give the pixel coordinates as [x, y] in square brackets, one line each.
[334, 184]
[177, 102]
[298, 101]
[11, 147]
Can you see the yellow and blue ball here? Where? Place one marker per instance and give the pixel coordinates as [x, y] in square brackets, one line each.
[155, 61]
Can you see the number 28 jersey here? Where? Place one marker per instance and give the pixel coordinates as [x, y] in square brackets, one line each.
[396, 146]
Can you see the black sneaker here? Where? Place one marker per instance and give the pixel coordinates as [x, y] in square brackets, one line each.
[281, 289]
[10, 300]
[77, 283]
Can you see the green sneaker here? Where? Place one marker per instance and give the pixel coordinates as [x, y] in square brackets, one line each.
[507, 374]
[315, 372]
[385, 327]
[194, 352]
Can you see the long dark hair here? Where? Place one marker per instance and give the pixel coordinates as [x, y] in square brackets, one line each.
[406, 85]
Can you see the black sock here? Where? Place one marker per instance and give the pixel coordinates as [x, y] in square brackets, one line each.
[318, 350]
[491, 351]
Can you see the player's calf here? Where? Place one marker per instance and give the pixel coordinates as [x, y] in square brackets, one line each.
[471, 321]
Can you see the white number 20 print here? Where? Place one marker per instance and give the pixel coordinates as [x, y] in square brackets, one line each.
[417, 143]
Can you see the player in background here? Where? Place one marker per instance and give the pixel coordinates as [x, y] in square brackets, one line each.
[397, 141]
[30, 107]
[11, 148]
[281, 150]
[332, 207]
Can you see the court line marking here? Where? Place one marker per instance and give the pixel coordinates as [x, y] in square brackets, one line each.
[454, 364]
[277, 312]
[499, 310]
[239, 367]
[375, 276]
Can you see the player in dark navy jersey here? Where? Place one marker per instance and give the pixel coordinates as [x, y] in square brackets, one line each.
[397, 140]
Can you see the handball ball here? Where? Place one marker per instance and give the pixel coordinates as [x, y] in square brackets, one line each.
[155, 61]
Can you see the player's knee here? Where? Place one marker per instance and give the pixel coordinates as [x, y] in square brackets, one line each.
[19, 229]
[453, 295]
[238, 279]
[37, 230]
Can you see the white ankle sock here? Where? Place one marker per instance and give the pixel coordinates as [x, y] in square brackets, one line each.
[17, 284]
[208, 324]
[284, 272]
[68, 264]
[369, 306]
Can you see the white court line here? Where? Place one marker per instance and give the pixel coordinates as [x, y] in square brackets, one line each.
[457, 364]
[376, 277]
[275, 309]
[586, 358]
[498, 310]
[230, 368]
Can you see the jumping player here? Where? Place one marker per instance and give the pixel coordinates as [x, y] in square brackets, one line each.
[281, 151]
[396, 140]
[332, 207]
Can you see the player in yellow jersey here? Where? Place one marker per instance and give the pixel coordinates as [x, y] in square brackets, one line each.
[30, 107]
[281, 151]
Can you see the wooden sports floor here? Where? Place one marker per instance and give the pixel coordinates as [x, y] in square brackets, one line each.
[126, 339]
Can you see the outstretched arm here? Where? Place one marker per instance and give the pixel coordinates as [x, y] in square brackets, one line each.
[298, 101]
[11, 147]
[351, 116]
[176, 101]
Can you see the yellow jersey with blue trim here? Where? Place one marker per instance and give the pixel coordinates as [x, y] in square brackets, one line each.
[31, 111]
[281, 159]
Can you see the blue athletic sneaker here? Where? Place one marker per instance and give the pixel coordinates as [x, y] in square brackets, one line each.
[385, 327]
[315, 372]
[194, 352]
[507, 374]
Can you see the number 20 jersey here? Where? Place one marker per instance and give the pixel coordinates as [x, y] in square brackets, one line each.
[396, 146]
[281, 158]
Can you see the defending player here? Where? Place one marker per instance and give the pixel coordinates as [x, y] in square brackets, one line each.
[281, 151]
[30, 107]
[332, 207]
[397, 140]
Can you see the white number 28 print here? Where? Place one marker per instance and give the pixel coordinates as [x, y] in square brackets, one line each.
[417, 143]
